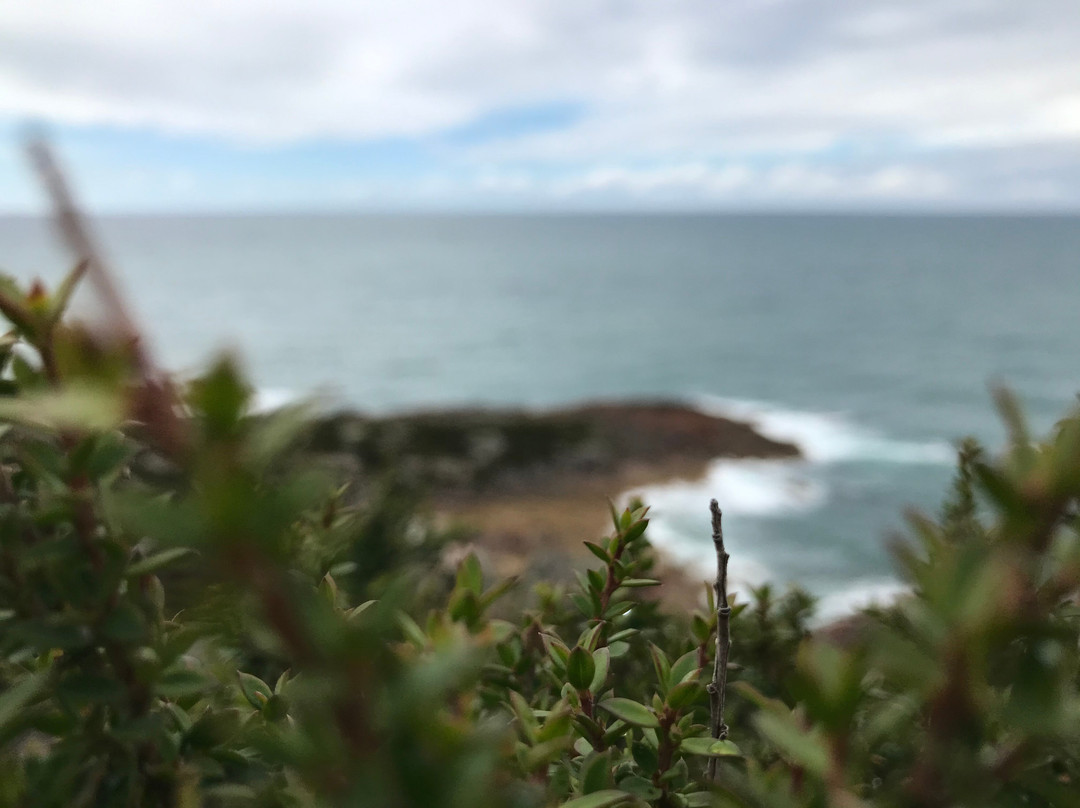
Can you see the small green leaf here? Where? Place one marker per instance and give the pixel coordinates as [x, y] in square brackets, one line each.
[497, 591]
[556, 649]
[683, 667]
[616, 729]
[359, 610]
[596, 581]
[212, 728]
[15, 306]
[679, 773]
[156, 561]
[700, 628]
[276, 432]
[588, 727]
[255, 690]
[413, 633]
[583, 748]
[328, 588]
[595, 774]
[618, 609]
[95, 409]
[599, 552]
[639, 787]
[221, 397]
[180, 716]
[709, 747]
[794, 743]
[600, 799]
[275, 709]
[637, 583]
[282, 681]
[231, 793]
[15, 698]
[614, 514]
[590, 637]
[533, 758]
[631, 712]
[580, 668]
[660, 665]
[700, 799]
[583, 604]
[618, 648]
[470, 576]
[601, 663]
[644, 755]
[684, 695]
[109, 454]
[526, 718]
[635, 531]
[501, 631]
[556, 723]
[180, 683]
[464, 605]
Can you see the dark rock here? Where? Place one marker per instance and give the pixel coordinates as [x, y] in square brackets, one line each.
[481, 451]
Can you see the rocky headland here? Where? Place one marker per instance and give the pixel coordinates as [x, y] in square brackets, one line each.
[529, 487]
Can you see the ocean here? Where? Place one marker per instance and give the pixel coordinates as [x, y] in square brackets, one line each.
[870, 341]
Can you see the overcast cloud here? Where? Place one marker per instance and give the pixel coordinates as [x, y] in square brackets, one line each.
[943, 104]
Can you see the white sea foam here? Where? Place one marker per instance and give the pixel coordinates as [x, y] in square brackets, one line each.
[754, 491]
[826, 437]
[745, 570]
[850, 597]
[748, 487]
[269, 399]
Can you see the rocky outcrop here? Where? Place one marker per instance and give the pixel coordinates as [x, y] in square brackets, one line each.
[527, 488]
[482, 452]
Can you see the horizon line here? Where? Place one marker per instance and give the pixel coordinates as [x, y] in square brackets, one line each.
[541, 212]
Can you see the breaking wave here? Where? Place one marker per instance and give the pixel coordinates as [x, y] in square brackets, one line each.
[825, 437]
[753, 492]
[268, 399]
[856, 595]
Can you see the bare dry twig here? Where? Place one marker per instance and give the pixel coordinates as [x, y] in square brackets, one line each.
[717, 688]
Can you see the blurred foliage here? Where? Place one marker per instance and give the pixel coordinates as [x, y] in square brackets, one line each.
[318, 655]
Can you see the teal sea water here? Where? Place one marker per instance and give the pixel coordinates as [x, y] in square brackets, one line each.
[869, 341]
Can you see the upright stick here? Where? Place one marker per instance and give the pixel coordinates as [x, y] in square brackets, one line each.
[717, 688]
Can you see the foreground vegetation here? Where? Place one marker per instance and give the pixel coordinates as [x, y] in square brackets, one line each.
[190, 616]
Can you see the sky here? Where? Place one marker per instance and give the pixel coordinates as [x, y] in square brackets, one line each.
[562, 105]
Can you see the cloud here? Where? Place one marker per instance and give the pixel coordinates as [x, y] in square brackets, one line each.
[627, 96]
[700, 184]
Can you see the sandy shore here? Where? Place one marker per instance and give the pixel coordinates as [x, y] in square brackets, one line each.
[529, 488]
[519, 530]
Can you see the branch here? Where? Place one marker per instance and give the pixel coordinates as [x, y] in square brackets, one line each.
[717, 688]
[75, 233]
[156, 403]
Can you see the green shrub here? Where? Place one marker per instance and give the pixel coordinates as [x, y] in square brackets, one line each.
[309, 652]
[966, 692]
